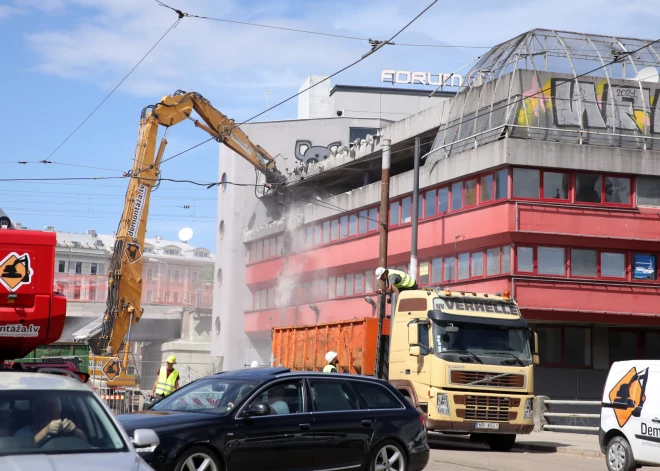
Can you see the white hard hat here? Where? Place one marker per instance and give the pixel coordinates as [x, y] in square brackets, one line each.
[330, 356]
[254, 364]
[379, 272]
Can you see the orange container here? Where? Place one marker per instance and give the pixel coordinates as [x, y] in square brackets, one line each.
[303, 348]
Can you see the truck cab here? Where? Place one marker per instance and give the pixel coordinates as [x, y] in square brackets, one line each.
[467, 361]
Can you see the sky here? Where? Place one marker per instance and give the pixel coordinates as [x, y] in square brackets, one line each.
[60, 58]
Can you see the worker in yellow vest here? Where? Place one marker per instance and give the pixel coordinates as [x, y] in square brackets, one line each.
[167, 381]
[332, 360]
[395, 280]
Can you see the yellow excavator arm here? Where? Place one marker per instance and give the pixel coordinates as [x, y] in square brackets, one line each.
[125, 275]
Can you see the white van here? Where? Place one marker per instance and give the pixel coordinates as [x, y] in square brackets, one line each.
[630, 415]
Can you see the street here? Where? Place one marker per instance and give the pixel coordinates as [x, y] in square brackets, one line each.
[465, 457]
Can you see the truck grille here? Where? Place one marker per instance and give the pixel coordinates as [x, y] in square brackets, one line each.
[487, 408]
[483, 378]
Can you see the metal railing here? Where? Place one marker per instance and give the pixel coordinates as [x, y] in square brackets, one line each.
[121, 400]
[575, 421]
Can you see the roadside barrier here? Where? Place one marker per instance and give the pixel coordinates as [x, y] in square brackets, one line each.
[121, 400]
[574, 421]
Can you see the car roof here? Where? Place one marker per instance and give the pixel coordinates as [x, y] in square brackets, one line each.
[266, 373]
[15, 380]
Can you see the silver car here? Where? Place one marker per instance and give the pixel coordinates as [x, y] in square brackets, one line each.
[54, 422]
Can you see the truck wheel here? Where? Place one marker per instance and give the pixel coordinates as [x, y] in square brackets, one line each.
[501, 442]
[619, 455]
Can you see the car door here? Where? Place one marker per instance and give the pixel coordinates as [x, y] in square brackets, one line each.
[342, 429]
[647, 431]
[281, 440]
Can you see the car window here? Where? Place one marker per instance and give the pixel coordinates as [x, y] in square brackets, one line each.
[376, 396]
[332, 395]
[215, 395]
[284, 398]
[54, 422]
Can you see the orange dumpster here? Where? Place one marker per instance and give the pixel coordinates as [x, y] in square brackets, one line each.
[303, 348]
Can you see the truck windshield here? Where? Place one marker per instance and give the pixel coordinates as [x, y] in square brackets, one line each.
[483, 343]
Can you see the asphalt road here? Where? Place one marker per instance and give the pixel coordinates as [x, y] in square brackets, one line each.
[469, 457]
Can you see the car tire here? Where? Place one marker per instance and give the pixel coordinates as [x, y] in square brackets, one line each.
[391, 452]
[619, 455]
[195, 458]
[501, 442]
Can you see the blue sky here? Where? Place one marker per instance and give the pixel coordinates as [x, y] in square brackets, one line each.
[61, 57]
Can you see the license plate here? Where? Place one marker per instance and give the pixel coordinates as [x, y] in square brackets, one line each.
[488, 425]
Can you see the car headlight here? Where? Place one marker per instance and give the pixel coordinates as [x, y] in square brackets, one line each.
[529, 409]
[443, 404]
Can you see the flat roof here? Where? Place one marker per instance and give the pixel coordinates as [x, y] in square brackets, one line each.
[391, 91]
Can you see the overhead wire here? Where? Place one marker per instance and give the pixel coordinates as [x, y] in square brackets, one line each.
[48, 162]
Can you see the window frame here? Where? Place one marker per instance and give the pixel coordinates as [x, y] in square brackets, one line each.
[603, 179]
[513, 184]
[599, 274]
[571, 187]
[562, 363]
[516, 269]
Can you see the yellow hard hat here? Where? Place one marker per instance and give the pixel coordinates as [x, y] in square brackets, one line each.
[171, 359]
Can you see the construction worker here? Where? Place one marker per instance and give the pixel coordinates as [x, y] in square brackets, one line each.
[395, 280]
[167, 380]
[331, 360]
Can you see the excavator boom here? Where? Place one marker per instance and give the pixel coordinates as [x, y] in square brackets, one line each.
[125, 275]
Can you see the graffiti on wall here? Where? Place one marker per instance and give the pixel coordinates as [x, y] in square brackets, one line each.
[590, 104]
[308, 153]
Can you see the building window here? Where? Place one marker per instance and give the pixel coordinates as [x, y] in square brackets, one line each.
[317, 234]
[368, 281]
[436, 270]
[309, 237]
[340, 286]
[493, 261]
[352, 224]
[373, 219]
[150, 274]
[202, 254]
[463, 266]
[644, 267]
[361, 133]
[394, 213]
[648, 191]
[326, 232]
[171, 252]
[78, 268]
[470, 191]
[406, 215]
[565, 346]
[443, 200]
[358, 283]
[423, 278]
[588, 188]
[177, 275]
[501, 184]
[456, 196]
[334, 229]
[431, 205]
[362, 222]
[175, 297]
[525, 258]
[149, 295]
[584, 262]
[93, 269]
[449, 272]
[323, 289]
[273, 246]
[617, 190]
[167, 296]
[61, 266]
[506, 259]
[343, 227]
[549, 345]
[526, 183]
[148, 250]
[555, 185]
[332, 284]
[612, 265]
[551, 260]
[623, 345]
[301, 239]
[280, 243]
[349, 284]
[652, 345]
[477, 264]
[486, 193]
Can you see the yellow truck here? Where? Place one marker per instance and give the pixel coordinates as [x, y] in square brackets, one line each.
[466, 360]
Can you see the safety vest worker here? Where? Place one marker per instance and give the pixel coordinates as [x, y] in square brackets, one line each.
[395, 280]
[332, 360]
[167, 381]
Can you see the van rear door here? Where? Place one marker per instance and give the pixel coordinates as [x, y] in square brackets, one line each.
[646, 448]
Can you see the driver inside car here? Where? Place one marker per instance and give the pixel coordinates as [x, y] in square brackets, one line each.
[46, 421]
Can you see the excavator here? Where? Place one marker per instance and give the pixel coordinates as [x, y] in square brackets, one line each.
[123, 308]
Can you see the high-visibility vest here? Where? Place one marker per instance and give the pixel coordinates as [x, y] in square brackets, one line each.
[329, 369]
[407, 281]
[165, 385]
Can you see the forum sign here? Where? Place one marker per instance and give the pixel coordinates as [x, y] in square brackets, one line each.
[421, 78]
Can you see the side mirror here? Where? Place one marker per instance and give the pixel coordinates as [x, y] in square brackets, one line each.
[415, 351]
[536, 343]
[413, 334]
[144, 437]
[258, 409]
[535, 359]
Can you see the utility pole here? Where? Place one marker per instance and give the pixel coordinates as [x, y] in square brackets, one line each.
[384, 203]
[415, 212]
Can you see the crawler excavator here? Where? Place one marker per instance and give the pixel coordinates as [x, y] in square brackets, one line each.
[109, 356]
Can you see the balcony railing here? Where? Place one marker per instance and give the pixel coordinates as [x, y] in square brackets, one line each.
[175, 292]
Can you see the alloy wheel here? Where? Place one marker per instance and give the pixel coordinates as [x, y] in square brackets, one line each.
[199, 462]
[616, 457]
[389, 458]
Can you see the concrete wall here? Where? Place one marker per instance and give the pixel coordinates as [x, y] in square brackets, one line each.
[389, 106]
[314, 103]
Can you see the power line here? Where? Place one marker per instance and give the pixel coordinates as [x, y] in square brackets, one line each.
[116, 87]
[47, 162]
[317, 33]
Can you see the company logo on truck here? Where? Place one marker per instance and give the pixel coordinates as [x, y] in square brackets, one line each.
[15, 271]
[477, 306]
[631, 391]
[19, 330]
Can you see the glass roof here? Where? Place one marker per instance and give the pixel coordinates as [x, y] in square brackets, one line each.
[560, 86]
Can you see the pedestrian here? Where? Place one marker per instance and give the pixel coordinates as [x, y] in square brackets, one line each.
[331, 360]
[395, 280]
[167, 380]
